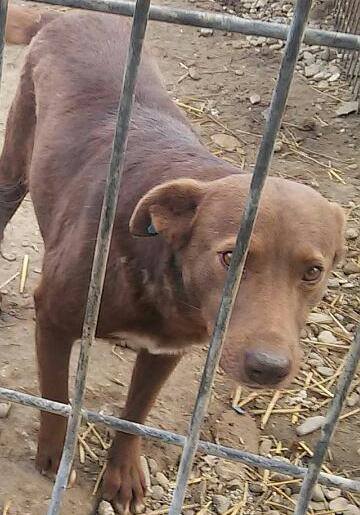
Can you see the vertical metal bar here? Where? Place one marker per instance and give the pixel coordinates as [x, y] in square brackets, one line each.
[264, 156]
[329, 426]
[102, 245]
[3, 13]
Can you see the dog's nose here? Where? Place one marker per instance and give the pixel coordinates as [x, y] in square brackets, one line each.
[266, 368]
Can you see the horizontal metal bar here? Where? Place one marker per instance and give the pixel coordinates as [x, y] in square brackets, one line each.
[327, 431]
[262, 165]
[106, 223]
[220, 451]
[225, 22]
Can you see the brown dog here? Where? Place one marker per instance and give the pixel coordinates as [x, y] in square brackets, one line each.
[162, 290]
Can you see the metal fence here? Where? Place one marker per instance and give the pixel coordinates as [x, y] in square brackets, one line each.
[294, 35]
[347, 19]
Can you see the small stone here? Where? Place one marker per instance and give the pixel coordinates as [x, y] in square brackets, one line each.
[239, 73]
[325, 371]
[310, 425]
[351, 268]
[308, 57]
[351, 509]
[319, 318]
[205, 33]
[256, 488]
[153, 466]
[311, 70]
[157, 492]
[334, 77]
[194, 74]
[237, 44]
[225, 141]
[4, 409]
[265, 447]
[347, 108]
[332, 493]
[221, 503]
[198, 492]
[105, 508]
[227, 470]
[162, 480]
[318, 494]
[254, 99]
[339, 505]
[318, 506]
[327, 337]
[146, 471]
[278, 146]
[353, 400]
[351, 233]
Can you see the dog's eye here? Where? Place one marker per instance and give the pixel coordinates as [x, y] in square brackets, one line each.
[312, 274]
[225, 258]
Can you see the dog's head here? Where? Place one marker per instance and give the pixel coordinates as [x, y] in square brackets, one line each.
[297, 240]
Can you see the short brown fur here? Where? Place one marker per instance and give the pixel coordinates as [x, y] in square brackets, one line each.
[163, 291]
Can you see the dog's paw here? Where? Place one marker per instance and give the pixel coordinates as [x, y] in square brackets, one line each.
[124, 485]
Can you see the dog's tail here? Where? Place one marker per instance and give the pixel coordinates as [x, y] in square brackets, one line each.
[23, 23]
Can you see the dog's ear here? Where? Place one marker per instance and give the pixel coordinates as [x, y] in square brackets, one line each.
[339, 232]
[168, 209]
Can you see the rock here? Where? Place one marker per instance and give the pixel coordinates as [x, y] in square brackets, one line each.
[351, 509]
[351, 268]
[347, 108]
[311, 70]
[254, 99]
[237, 44]
[334, 77]
[221, 503]
[146, 471]
[205, 33]
[256, 488]
[198, 492]
[162, 480]
[157, 492]
[318, 506]
[228, 470]
[310, 425]
[278, 146]
[339, 505]
[225, 141]
[309, 58]
[194, 74]
[326, 371]
[4, 409]
[353, 400]
[265, 447]
[318, 494]
[153, 466]
[327, 337]
[105, 508]
[332, 493]
[319, 318]
[351, 233]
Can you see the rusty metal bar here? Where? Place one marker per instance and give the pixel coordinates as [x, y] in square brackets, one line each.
[277, 109]
[170, 438]
[102, 247]
[328, 429]
[225, 22]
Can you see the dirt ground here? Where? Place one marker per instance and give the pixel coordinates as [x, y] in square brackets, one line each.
[316, 147]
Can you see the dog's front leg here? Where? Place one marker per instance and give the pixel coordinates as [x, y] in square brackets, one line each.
[124, 481]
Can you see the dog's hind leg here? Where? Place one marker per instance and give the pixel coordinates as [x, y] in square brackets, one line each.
[17, 150]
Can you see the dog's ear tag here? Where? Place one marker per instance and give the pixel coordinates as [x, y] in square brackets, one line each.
[151, 230]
